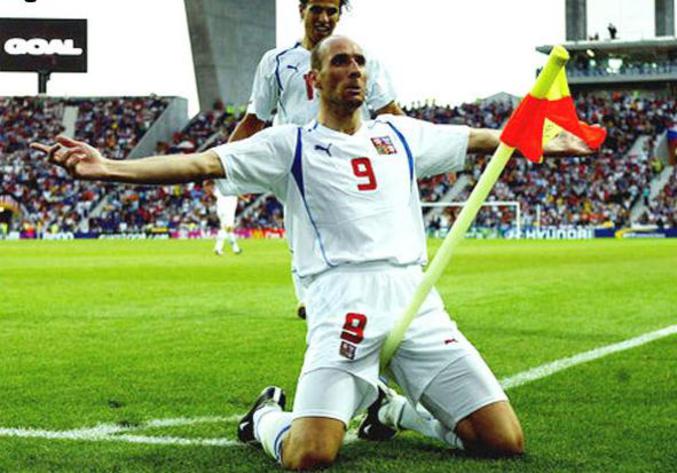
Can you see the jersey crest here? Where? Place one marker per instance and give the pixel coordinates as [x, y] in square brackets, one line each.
[384, 145]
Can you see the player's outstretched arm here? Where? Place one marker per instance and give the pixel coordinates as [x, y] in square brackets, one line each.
[486, 140]
[85, 162]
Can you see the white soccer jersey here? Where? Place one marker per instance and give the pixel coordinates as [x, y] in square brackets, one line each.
[349, 198]
[281, 88]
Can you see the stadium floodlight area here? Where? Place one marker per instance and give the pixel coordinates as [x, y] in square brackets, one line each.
[493, 204]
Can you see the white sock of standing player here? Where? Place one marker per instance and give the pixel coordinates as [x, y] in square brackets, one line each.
[220, 239]
[399, 413]
[232, 239]
[271, 427]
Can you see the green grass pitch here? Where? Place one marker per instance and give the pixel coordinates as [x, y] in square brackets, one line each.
[122, 333]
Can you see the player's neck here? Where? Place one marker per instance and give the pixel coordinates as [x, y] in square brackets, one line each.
[344, 121]
[307, 43]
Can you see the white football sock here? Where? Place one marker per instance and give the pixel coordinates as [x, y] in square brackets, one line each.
[220, 238]
[271, 425]
[451, 439]
[232, 239]
[399, 413]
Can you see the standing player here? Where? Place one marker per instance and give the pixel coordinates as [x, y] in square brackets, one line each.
[282, 92]
[226, 206]
[341, 212]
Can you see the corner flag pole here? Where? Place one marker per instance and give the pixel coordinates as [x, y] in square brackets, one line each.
[556, 60]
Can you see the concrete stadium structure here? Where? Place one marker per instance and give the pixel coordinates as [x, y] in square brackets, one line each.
[228, 37]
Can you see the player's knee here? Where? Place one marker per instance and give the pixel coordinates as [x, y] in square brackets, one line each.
[314, 458]
[503, 443]
[495, 439]
[508, 444]
[312, 453]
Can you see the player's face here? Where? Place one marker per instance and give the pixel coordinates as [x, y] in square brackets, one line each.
[342, 80]
[320, 18]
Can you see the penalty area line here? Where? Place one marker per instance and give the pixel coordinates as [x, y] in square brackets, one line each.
[123, 433]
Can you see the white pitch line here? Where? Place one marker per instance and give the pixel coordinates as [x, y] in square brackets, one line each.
[550, 368]
[118, 433]
[90, 436]
[180, 421]
[152, 440]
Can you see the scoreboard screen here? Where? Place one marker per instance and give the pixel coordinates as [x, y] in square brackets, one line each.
[43, 45]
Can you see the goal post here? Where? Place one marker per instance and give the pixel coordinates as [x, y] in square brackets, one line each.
[495, 203]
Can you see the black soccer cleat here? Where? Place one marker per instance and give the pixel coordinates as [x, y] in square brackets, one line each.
[301, 311]
[270, 395]
[371, 427]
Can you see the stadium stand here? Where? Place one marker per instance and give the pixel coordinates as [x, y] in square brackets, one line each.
[662, 211]
[598, 190]
[178, 210]
[49, 201]
[213, 126]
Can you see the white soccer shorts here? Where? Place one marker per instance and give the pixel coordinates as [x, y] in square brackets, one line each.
[351, 310]
[225, 209]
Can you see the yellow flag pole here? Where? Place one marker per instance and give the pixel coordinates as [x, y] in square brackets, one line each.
[556, 62]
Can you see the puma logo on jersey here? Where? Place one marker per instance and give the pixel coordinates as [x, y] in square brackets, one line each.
[322, 148]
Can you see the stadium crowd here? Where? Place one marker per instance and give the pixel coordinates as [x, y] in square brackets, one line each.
[599, 190]
[585, 67]
[188, 210]
[49, 201]
[662, 211]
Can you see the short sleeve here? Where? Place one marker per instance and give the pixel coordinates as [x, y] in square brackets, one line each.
[436, 148]
[264, 97]
[380, 90]
[258, 164]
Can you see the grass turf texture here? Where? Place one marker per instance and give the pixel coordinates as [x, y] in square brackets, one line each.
[124, 332]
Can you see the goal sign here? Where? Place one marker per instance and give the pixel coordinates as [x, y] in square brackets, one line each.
[43, 45]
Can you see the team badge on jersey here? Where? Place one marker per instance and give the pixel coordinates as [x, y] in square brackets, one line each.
[384, 145]
[347, 350]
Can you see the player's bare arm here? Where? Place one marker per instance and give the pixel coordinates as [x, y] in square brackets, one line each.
[486, 140]
[248, 126]
[85, 162]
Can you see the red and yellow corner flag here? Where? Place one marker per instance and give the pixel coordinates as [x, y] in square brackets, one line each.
[538, 120]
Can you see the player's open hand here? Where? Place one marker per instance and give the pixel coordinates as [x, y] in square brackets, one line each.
[81, 160]
[567, 144]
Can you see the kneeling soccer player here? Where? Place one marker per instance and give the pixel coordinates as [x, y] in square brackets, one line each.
[355, 227]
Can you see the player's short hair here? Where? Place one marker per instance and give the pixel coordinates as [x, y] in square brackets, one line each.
[342, 4]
